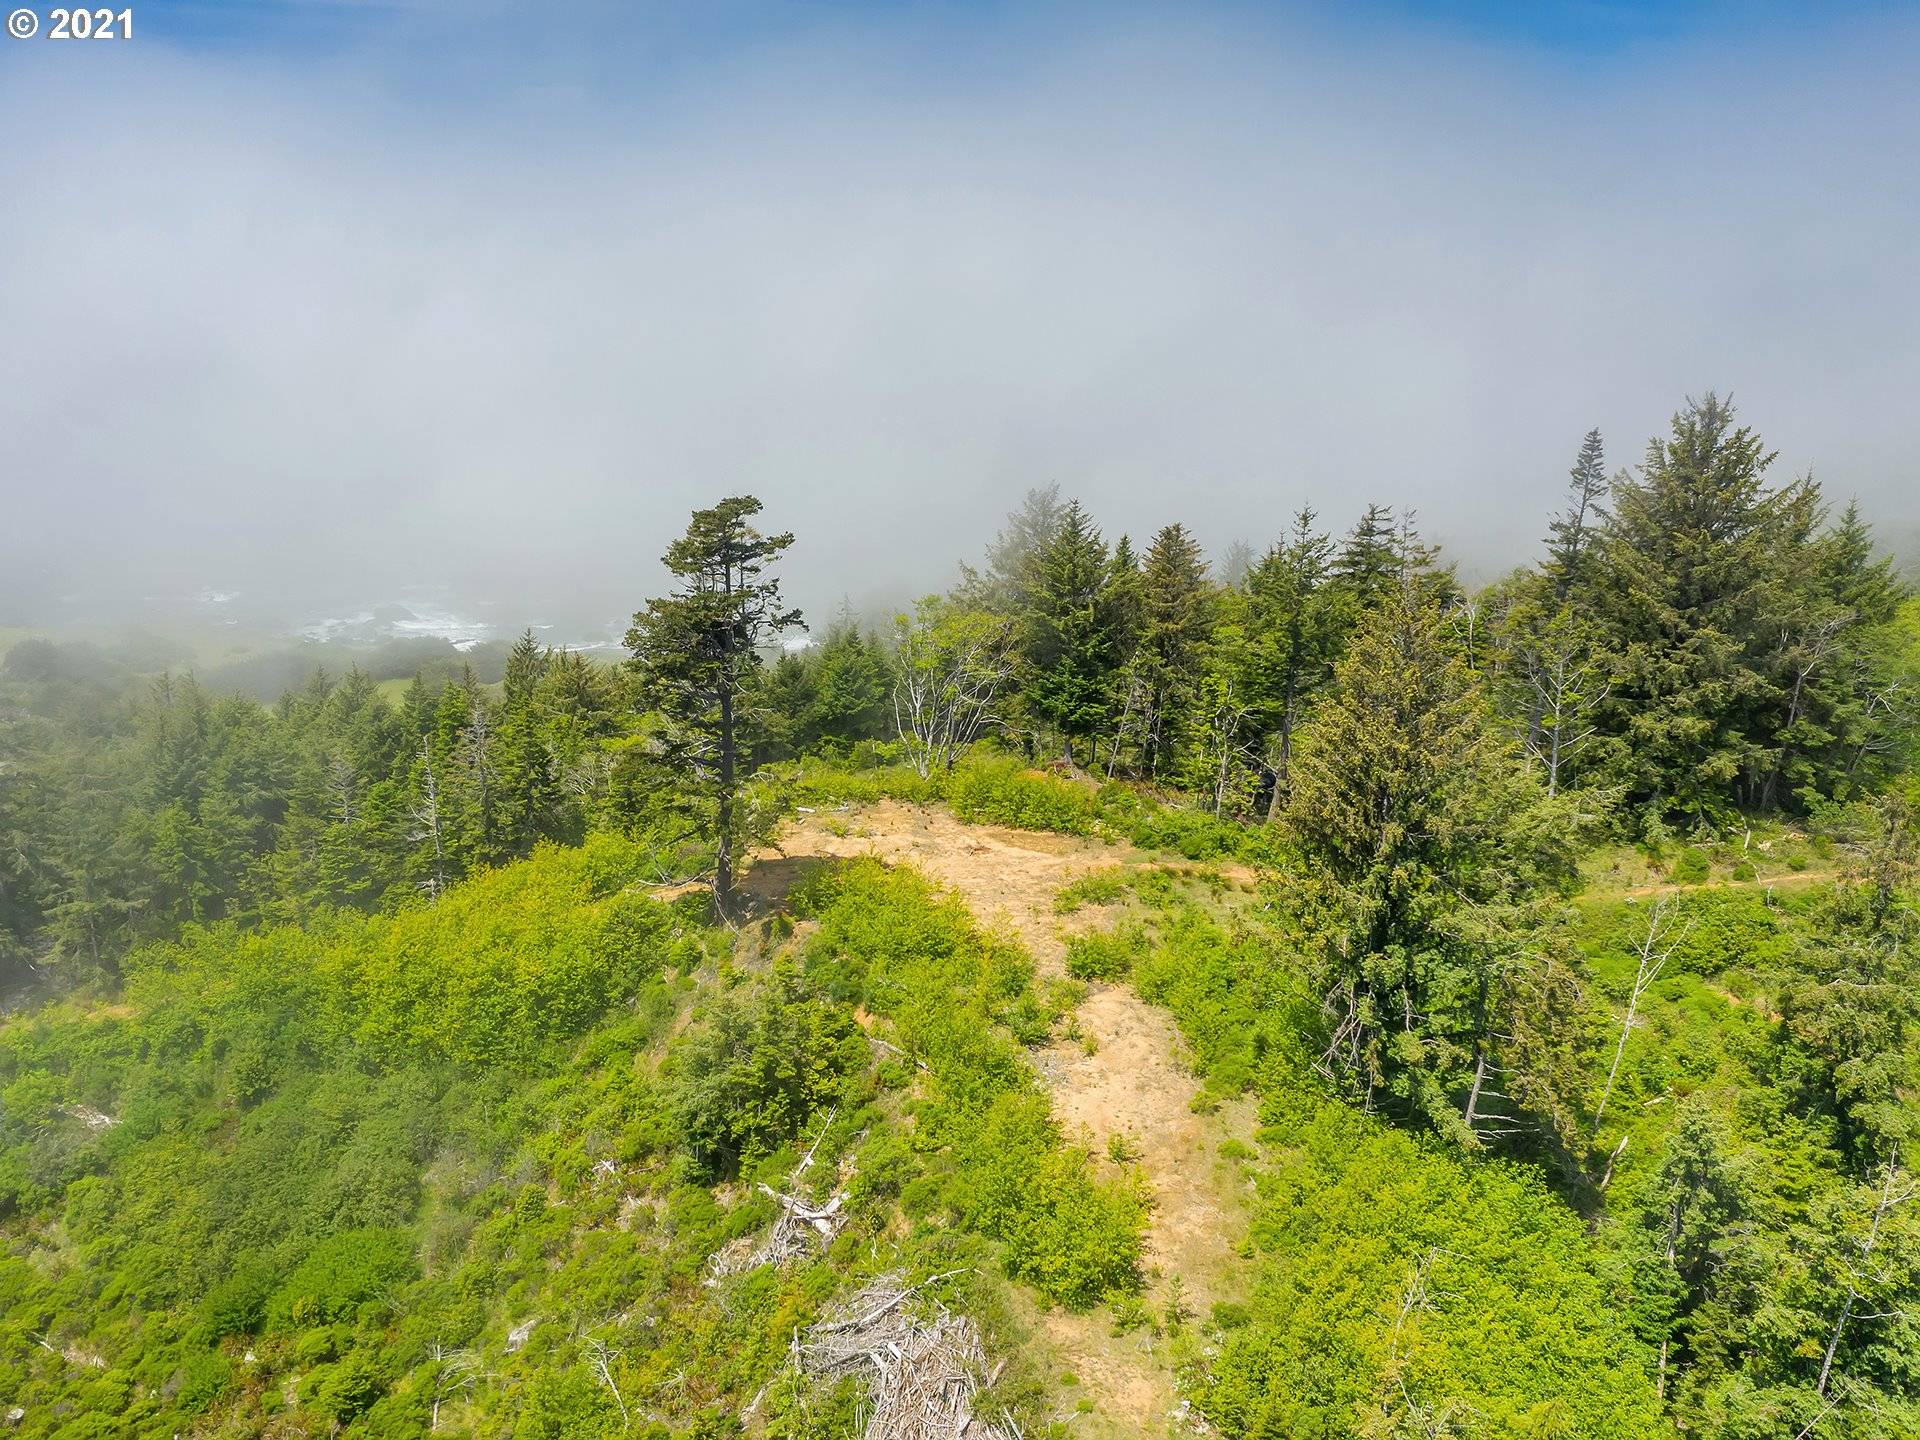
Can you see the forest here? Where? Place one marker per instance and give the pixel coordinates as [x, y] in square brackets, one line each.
[1295, 993]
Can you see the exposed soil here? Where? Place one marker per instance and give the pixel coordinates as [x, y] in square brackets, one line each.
[1792, 877]
[1132, 1084]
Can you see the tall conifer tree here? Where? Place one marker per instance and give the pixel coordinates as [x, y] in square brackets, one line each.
[697, 652]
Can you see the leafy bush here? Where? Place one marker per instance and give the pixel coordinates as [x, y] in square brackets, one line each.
[1097, 887]
[238, 1304]
[1000, 792]
[1072, 1237]
[1690, 867]
[203, 1380]
[1350, 1207]
[748, 1076]
[995, 1157]
[1104, 955]
[341, 1392]
[339, 1273]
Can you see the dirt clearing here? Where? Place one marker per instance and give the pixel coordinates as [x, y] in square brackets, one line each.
[1127, 1081]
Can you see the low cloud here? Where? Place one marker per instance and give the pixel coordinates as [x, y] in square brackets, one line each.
[323, 330]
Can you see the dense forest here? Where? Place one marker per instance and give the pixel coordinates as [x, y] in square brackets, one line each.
[495, 1059]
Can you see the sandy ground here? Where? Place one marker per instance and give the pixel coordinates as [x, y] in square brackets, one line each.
[1764, 882]
[1132, 1083]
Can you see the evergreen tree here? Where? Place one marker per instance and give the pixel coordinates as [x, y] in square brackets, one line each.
[1571, 535]
[1008, 581]
[1125, 606]
[1693, 1277]
[1424, 841]
[1069, 640]
[1689, 558]
[850, 684]
[519, 757]
[1237, 564]
[1367, 569]
[1295, 633]
[1176, 616]
[697, 652]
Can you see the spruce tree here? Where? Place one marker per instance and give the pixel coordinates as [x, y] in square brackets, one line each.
[1570, 536]
[850, 683]
[1007, 583]
[1688, 572]
[1424, 843]
[1069, 639]
[1176, 615]
[1368, 567]
[697, 655]
[1294, 640]
[524, 767]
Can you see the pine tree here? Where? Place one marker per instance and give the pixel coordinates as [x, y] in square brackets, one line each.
[1176, 616]
[1295, 637]
[1691, 556]
[697, 652]
[1069, 640]
[1424, 841]
[1570, 537]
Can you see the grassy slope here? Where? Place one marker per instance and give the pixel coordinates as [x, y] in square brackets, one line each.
[335, 1155]
[1394, 1275]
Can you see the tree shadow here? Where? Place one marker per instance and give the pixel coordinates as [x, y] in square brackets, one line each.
[764, 889]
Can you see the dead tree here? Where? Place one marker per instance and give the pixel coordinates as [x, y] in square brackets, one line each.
[1652, 959]
[1416, 1298]
[426, 816]
[924, 1366]
[600, 1359]
[1894, 1192]
[950, 670]
[801, 1227]
[1564, 688]
[454, 1373]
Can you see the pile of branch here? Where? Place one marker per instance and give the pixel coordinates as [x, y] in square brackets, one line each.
[801, 1227]
[922, 1365]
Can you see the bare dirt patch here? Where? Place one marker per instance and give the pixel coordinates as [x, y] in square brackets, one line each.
[1766, 882]
[1129, 1082]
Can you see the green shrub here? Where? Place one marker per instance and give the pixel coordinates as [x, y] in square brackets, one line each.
[1097, 887]
[315, 1346]
[1000, 792]
[748, 1076]
[341, 1392]
[203, 1380]
[339, 1273]
[1230, 1315]
[239, 1303]
[1071, 1236]
[1690, 867]
[1104, 955]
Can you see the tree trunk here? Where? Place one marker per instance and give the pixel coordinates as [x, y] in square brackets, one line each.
[723, 848]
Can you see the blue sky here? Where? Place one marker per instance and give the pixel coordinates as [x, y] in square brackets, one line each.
[316, 300]
[1584, 28]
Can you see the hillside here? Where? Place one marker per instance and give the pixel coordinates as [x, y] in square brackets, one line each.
[503, 1166]
[1313, 1002]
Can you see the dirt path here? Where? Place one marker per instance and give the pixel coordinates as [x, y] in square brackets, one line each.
[1130, 1084]
[1792, 877]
